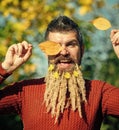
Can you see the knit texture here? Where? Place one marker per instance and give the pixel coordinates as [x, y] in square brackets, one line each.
[26, 99]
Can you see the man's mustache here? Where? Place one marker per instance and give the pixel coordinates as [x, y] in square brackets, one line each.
[63, 58]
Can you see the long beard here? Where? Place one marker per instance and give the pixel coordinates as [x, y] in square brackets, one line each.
[64, 89]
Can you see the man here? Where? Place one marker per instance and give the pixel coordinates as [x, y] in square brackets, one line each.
[63, 99]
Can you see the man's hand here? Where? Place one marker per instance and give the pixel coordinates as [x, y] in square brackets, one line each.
[114, 36]
[16, 55]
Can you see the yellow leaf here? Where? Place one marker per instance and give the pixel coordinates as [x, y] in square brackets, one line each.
[67, 13]
[50, 47]
[6, 13]
[16, 2]
[101, 23]
[86, 2]
[29, 68]
[42, 27]
[25, 4]
[3, 49]
[84, 9]
[21, 26]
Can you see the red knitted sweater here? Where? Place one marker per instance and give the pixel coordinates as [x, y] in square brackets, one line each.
[26, 99]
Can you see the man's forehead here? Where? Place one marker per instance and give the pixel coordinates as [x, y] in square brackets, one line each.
[62, 37]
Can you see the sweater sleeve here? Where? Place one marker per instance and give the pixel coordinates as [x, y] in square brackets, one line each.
[110, 100]
[9, 95]
[10, 99]
[3, 74]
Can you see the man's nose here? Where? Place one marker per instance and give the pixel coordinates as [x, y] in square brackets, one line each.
[64, 51]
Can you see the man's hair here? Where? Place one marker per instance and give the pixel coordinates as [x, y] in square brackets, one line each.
[64, 24]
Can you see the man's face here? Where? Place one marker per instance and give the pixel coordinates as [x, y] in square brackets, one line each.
[71, 51]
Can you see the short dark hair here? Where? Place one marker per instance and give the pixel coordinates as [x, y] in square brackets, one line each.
[64, 24]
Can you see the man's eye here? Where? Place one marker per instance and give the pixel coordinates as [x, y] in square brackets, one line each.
[72, 45]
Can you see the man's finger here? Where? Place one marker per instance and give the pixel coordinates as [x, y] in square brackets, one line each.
[28, 54]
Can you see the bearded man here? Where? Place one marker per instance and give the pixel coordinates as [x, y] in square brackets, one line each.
[63, 99]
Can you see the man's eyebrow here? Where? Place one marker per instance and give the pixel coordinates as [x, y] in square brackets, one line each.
[73, 40]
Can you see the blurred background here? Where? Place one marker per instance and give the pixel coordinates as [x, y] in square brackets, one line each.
[28, 19]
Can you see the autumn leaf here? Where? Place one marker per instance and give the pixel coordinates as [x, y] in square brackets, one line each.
[50, 47]
[3, 49]
[84, 9]
[29, 68]
[86, 2]
[101, 23]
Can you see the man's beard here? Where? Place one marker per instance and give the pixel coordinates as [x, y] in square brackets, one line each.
[64, 89]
